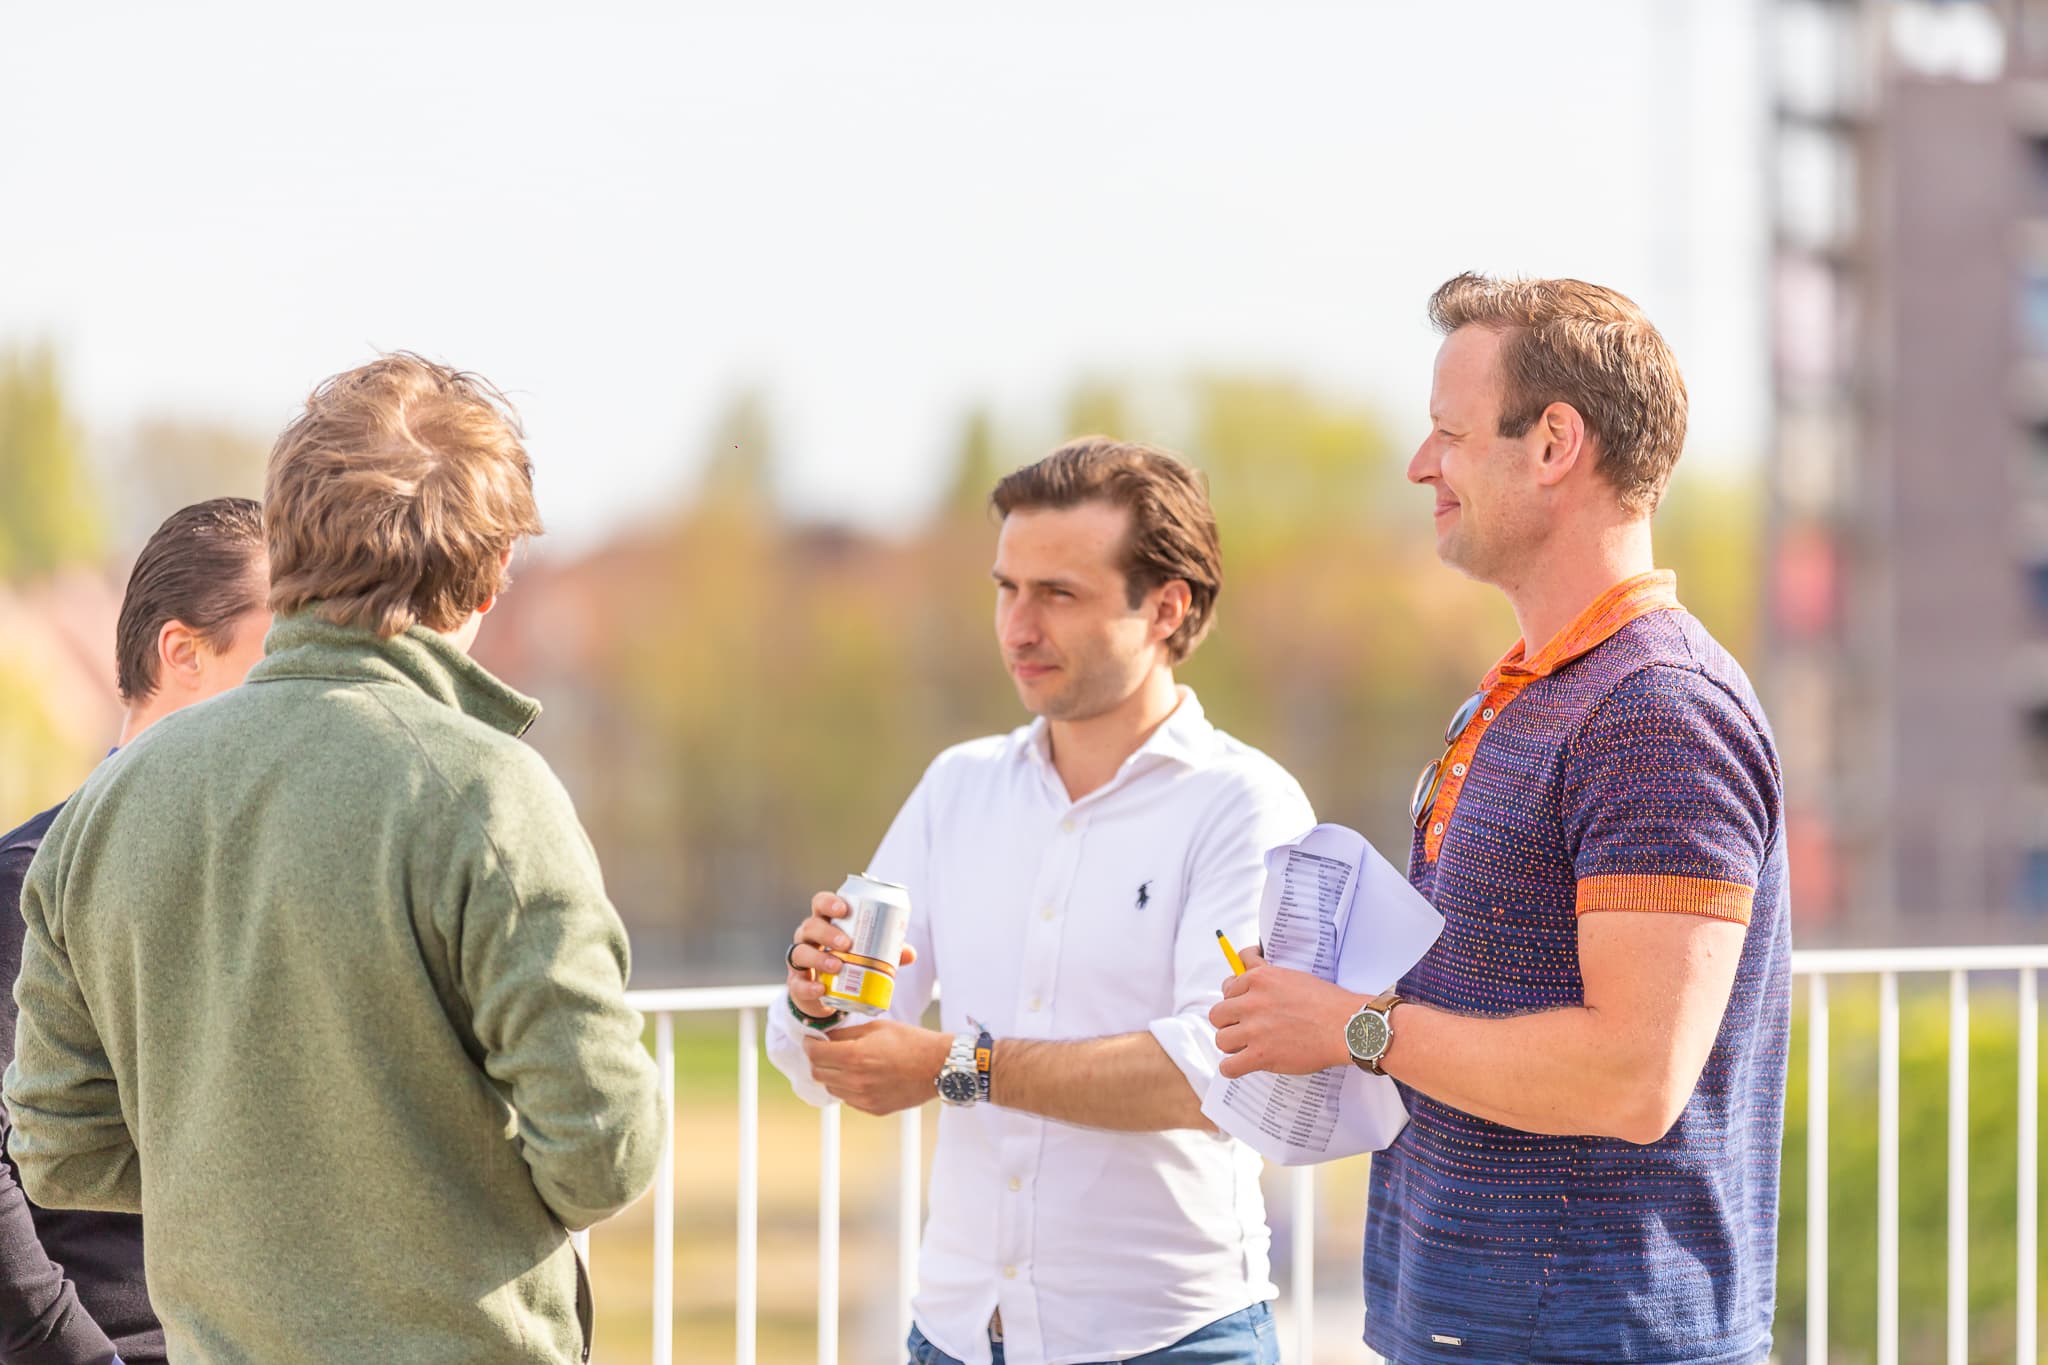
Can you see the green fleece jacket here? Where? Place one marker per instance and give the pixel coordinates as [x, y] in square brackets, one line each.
[321, 979]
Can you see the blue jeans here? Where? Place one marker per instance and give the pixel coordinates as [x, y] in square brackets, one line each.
[1243, 1338]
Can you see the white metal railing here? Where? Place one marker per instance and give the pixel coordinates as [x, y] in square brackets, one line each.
[1816, 967]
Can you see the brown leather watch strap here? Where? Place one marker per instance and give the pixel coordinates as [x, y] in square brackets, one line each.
[1383, 1004]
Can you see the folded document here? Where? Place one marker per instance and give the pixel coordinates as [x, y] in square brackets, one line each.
[1333, 907]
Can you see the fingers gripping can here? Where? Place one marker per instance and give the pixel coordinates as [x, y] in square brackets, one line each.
[879, 920]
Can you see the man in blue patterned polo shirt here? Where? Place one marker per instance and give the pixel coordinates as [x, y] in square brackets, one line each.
[1593, 1053]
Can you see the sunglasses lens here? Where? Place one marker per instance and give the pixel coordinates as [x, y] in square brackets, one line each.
[1425, 792]
[1462, 718]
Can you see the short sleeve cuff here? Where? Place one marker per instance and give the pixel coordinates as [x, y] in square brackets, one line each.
[1664, 895]
[1191, 1043]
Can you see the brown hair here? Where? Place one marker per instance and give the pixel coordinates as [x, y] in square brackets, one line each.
[203, 567]
[394, 497]
[1572, 342]
[1173, 531]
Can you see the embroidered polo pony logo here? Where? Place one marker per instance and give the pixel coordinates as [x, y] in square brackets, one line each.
[1144, 894]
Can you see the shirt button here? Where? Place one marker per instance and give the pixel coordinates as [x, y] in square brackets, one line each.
[1457, 770]
[1015, 1184]
[1009, 1272]
[1034, 1004]
[1487, 714]
[1437, 828]
[1045, 912]
[1066, 826]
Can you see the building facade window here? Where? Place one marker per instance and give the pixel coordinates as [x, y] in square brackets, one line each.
[1958, 40]
[2037, 742]
[2034, 310]
[2037, 592]
[2034, 881]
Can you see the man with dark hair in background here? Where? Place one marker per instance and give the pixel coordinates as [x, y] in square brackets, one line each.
[192, 624]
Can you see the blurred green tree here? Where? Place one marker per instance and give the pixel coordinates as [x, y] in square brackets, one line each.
[1099, 406]
[49, 513]
[170, 462]
[1709, 529]
[977, 464]
[37, 761]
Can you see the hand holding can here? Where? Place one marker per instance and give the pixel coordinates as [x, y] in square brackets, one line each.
[846, 952]
[810, 956]
[864, 981]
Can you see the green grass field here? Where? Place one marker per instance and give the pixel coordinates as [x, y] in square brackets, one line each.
[707, 1144]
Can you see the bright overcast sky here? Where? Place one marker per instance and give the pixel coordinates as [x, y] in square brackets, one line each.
[879, 213]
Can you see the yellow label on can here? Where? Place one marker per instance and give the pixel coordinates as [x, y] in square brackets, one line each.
[864, 986]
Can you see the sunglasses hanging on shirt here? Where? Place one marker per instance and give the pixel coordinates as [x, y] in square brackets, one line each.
[1432, 778]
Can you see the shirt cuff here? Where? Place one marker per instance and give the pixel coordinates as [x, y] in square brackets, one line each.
[1667, 895]
[1190, 1041]
[786, 1054]
[783, 1020]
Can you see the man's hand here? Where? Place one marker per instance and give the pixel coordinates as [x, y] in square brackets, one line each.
[816, 938]
[1279, 1020]
[879, 1068]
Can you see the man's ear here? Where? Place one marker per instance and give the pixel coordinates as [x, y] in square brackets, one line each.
[177, 656]
[1171, 610]
[504, 566]
[1565, 442]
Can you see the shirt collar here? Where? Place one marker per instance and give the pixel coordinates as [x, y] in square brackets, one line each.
[303, 645]
[1626, 601]
[1185, 737]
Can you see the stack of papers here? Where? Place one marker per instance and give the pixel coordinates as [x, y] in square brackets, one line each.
[1335, 908]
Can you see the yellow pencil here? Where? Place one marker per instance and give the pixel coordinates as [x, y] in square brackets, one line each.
[1236, 962]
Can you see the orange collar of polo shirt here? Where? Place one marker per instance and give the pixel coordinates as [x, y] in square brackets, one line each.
[1624, 602]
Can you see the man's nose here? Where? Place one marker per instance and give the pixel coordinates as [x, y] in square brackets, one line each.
[1017, 627]
[1422, 465]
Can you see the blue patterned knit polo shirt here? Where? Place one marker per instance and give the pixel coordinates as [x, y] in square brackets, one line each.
[1627, 767]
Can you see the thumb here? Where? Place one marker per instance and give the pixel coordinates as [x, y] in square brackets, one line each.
[909, 956]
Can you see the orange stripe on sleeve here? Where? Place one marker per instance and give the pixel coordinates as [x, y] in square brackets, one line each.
[1666, 895]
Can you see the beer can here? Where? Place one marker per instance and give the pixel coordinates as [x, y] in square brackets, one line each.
[879, 920]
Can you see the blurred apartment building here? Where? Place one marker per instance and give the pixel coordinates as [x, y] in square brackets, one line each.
[1907, 622]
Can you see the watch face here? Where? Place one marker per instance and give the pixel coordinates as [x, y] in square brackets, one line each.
[957, 1087]
[1366, 1035]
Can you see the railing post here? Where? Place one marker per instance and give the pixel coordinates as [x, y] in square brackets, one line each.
[909, 1189]
[828, 1235]
[749, 1191]
[1888, 1168]
[1817, 1169]
[665, 1194]
[1302, 1261]
[2030, 1157]
[1958, 1168]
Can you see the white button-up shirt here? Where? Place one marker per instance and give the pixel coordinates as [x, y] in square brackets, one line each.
[1056, 919]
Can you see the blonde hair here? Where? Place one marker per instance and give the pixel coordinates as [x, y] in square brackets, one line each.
[1567, 341]
[395, 496]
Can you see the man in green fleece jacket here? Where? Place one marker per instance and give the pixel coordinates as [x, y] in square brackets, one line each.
[320, 976]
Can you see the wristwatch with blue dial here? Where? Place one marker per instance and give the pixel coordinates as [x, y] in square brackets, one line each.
[963, 1080]
[956, 1077]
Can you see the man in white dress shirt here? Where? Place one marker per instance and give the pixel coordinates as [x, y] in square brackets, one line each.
[1067, 882]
